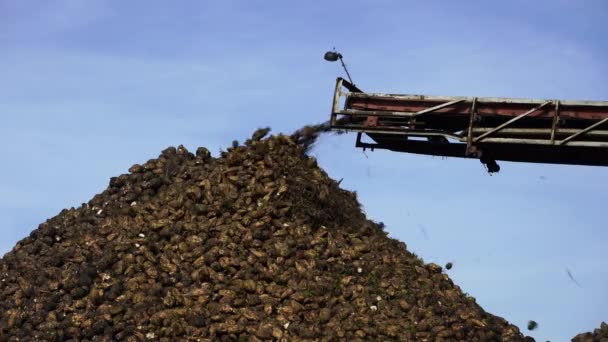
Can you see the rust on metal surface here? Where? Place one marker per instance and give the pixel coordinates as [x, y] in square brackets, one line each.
[484, 107]
[471, 149]
[510, 122]
[371, 121]
[584, 131]
[555, 125]
[526, 130]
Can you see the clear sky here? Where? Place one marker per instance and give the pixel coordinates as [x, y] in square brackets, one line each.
[88, 88]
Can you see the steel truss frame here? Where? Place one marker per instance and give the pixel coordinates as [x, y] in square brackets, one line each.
[528, 130]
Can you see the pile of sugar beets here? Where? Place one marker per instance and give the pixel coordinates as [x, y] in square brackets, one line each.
[598, 335]
[258, 244]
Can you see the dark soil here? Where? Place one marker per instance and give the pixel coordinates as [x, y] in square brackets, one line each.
[258, 244]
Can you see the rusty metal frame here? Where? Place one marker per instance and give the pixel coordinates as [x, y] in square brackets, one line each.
[571, 155]
[542, 131]
[336, 102]
[355, 91]
[546, 142]
[492, 125]
[472, 119]
[515, 119]
[362, 95]
[438, 107]
[403, 131]
[568, 139]
[555, 122]
[354, 112]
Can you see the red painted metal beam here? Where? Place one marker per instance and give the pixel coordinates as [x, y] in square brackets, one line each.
[567, 111]
[525, 130]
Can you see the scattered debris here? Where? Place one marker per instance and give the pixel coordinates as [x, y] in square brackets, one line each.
[423, 231]
[572, 278]
[448, 266]
[260, 133]
[532, 325]
[490, 164]
[308, 135]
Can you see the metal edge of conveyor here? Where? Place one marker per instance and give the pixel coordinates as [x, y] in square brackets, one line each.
[567, 155]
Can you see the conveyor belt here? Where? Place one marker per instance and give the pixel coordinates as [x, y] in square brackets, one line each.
[490, 129]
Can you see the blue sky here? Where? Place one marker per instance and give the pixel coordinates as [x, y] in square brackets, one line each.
[88, 88]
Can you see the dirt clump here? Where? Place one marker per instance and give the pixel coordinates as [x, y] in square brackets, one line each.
[309, 134]
[257, 244]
